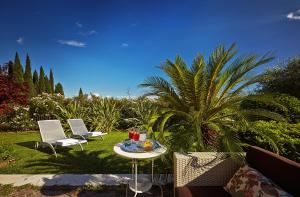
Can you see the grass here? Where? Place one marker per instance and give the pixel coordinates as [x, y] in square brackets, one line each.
[98, 156]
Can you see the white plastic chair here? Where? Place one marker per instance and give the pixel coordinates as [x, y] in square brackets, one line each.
[79, 129]
[53, 135]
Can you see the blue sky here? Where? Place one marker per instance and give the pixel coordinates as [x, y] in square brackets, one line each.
[106, 47]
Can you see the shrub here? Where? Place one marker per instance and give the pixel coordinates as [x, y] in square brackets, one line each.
[11, 94]
[103, 114]
[283, 79]
[285, 136]
[45, 106]
[143, 112]
[18, 120]
[126, 112]
[71, 110]
[292, 106]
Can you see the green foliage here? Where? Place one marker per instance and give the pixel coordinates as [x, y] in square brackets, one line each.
[41, 86]
[59, 89]
[283, 79]
[51, 81]
[80, 93]
[71, 110]
[18, 70]
[290, 111]
[143, 114]
[35, 80]
[45, 106]
[98, 114]
[279, 137]
[10, 69]
[18, 120]
[204, 96]
[103, 114]
[28, 78]
[126, 112]
[47, 85]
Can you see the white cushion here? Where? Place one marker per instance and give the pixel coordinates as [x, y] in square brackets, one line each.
[69, 141]
[96, 133]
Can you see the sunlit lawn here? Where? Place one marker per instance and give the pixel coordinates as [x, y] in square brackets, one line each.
[98, 156]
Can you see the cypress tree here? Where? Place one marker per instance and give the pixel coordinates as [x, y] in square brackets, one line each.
[28, 78]
[59, 89]
[18, 70]
[47, 85]
[10, 69]
[80, 94]
[41, 86]
[35, 80]
[51, 81]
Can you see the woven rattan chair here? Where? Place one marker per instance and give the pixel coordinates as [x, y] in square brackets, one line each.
[79, 129]
[52, 135]
[203, 169]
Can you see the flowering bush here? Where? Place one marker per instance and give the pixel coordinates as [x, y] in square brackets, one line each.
[18, 120]
[45, 106]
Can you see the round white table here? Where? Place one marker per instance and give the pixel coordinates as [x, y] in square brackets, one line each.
[143, 184]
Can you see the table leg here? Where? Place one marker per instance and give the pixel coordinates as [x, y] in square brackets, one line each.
[135, 180]
[152, 166]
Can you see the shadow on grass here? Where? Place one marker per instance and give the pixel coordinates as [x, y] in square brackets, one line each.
[81, 162]
[45, 149]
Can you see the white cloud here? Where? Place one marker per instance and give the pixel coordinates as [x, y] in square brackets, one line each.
[294, 15]
[73, 43]
[88, 33]
[124, 44]
[78, 24]
[20, 40]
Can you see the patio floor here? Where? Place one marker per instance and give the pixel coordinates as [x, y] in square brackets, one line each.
[73, 185]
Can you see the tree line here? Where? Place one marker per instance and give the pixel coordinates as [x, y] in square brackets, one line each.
[37, 83]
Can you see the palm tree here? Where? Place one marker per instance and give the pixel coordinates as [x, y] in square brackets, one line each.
[203, 100]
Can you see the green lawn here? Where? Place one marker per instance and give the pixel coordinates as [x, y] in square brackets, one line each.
[98, 156]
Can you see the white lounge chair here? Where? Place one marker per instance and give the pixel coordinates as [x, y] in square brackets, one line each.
[53, 135]
[79, 129]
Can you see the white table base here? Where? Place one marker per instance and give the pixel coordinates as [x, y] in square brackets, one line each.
[143, 184]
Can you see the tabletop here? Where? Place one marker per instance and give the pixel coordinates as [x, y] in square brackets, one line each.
[146, 155]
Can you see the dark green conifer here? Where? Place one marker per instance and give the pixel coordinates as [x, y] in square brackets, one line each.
[59, 89]
[47, 85]
[35, 79]
[41, 86]
[28, 78]
[80, 94]
[51, 81]
[18, 70]
[10, 69]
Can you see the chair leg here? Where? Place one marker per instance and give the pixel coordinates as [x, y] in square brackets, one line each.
[84, 139]
[36, 146]
[161, 190]
[52, 148]
[80, 146]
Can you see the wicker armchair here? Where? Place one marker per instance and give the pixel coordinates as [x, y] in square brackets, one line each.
[203, 169]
